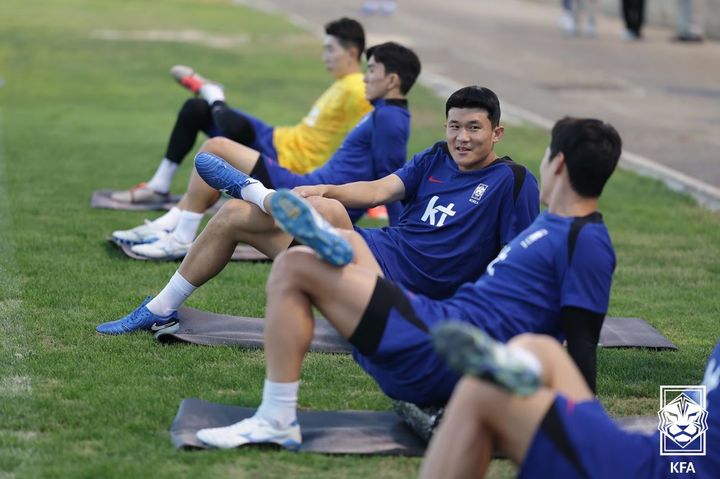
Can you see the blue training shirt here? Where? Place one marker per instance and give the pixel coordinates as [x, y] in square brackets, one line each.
[375, 148]
[556, 262]
[453, 222]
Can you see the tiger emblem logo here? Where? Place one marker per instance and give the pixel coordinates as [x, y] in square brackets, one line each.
[682, 420]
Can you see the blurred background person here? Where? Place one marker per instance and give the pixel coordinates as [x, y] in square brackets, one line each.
[690, 21]
[634, 16]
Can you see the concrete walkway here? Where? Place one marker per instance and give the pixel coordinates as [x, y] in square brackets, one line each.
[663, 97]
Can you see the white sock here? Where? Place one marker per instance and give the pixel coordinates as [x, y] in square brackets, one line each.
[160, 182]
[212, 92]
[256, 193]
[169, 220]
[279, 403]
[187, 226]
[172, 296]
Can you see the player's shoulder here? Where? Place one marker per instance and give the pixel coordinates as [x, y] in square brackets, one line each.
[391, 115]
[589, 236]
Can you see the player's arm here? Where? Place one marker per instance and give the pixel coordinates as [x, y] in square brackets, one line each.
[582, 332]
[360, 194]
[389, 149]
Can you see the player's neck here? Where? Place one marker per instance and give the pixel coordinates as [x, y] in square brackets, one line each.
[394, 95]
[572, 204]
[349, 69]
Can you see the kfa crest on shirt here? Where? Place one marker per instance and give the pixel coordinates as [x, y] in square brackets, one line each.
[478, 193]
[437, 214]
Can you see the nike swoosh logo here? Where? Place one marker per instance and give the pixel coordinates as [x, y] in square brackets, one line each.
[159, 327]
[435, 180]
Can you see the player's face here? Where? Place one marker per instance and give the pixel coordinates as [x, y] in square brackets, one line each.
[377, 83]
[471, 137]
[337, 59]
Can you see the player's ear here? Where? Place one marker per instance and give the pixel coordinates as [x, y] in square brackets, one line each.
[393, 81]
[498, 133]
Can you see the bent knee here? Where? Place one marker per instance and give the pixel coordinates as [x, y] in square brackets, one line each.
[332, 210]
[231, 214]
[217, 145]
[291, 266]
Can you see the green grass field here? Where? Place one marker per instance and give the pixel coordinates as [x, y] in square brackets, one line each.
[79, 112]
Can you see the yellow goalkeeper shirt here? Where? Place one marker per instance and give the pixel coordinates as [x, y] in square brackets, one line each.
[310, 143]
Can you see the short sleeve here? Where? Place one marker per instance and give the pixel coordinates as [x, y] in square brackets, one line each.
[588, 277]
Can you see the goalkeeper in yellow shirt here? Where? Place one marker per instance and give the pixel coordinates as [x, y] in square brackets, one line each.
[299, 148]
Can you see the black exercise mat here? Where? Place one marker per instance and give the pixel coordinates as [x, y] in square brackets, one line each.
[329, 432]
[332, 432]
[242, 252]
[102, 199]
[200, 327]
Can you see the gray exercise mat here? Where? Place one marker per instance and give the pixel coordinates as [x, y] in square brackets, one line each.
[329, 432]
[632, 333]
[102, 199]
[242, 252]
[200, 327]
[332, 432]
[210, 329]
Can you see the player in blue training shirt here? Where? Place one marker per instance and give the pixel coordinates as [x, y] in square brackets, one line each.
[543, 282]
[532, 404]
[376, 147]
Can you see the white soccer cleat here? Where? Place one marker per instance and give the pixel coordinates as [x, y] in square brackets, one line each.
[254, 430]
[166, 248]
[146, 233]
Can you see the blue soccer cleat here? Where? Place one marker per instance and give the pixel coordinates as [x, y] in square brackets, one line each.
[297, 218]
[469, 350]
[220, 175]
[141, 319]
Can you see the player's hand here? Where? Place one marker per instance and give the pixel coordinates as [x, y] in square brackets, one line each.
[306, 191]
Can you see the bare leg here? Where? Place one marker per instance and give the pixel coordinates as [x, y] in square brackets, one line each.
[297, 281]
[482, 417]
[559, 371]
[237, 221]
[240, 156]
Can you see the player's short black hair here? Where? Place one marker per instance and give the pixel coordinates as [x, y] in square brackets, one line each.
[399, 60]
[476, 97]
[349, 33]
[592, 150]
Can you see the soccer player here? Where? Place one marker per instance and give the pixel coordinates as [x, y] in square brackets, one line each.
[376, 147]
[553, 278]
[529, 401]
[300, 148]
[462, 204]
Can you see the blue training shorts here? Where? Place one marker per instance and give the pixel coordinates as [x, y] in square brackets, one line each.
[579, 440]
[392, 344]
